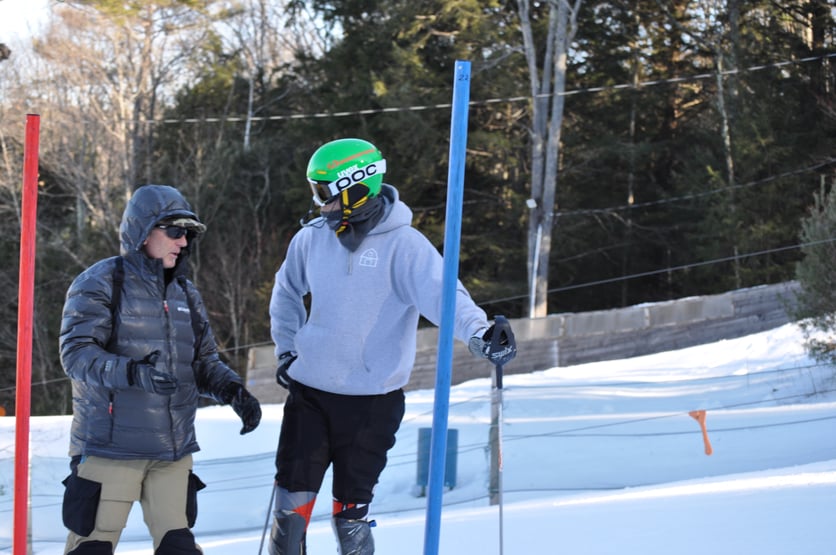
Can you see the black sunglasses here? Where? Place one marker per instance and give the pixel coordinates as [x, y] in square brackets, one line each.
[175, 231]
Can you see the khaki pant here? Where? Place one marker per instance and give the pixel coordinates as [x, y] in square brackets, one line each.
[161, 487]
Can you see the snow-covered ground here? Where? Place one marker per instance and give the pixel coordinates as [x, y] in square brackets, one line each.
[600, 458]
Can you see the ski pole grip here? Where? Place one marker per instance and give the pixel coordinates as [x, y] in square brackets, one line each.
[501, 327]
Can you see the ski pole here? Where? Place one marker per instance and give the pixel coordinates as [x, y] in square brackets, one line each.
[499, 451]
[503, 348]
[267, 520]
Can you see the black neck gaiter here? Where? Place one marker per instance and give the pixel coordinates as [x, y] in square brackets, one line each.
[361, 220]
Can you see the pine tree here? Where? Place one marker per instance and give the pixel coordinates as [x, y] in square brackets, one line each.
[816, 300]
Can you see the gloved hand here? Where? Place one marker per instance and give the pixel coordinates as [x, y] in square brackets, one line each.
[245, 406]
[496, 343]
[144, 374]
[285, 360]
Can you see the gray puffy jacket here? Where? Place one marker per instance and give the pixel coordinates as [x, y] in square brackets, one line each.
[110, 418]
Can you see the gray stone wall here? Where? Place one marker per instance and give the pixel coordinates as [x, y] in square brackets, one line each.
[575, 338]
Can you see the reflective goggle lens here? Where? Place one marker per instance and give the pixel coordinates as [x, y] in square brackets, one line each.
[321, 194]
[175, 231]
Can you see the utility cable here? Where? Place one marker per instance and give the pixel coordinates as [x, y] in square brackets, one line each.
[512, 99]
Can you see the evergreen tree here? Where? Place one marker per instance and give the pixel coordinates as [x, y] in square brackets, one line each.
[815, 305]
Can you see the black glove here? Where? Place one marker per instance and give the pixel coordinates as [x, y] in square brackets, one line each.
[497, 343]
[285, 360]
[245, 406]
[144, 374]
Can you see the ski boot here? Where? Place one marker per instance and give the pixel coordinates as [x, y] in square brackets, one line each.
[354, 535]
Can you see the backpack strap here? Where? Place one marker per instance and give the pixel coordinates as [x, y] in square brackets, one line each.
[116, 296]
[197, 328]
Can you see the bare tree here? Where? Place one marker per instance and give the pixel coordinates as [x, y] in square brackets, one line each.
[253, 35]
[108, 72]
[548, 83]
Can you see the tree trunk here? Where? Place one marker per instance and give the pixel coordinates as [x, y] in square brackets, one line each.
[547, 119]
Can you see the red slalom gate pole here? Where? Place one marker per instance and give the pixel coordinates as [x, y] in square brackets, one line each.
[26, 294]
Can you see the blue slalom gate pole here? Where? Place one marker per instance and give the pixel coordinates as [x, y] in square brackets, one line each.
[444, 362]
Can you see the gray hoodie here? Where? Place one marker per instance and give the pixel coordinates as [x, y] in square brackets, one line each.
[359, 338]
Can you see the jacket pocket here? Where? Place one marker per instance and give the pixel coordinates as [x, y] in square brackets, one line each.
[81, 503]
[195, 485]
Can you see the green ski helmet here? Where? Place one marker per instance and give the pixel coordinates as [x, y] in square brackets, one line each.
[344, 163]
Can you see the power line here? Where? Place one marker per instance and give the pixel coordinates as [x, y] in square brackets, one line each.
[511, 99]
[692, 196]
[573, 432]
[688, 381]
[690, 266]
[665, 270]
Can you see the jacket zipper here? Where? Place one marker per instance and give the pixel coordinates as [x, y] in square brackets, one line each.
[169, 355]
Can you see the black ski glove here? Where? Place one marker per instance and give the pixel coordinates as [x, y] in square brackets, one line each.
[245, 406]
[144, 375]
[497, 343]
[285, 360]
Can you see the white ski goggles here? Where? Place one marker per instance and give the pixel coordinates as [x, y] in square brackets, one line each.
[324, 192]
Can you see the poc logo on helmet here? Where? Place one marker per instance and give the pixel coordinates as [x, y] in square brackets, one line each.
[355, 175]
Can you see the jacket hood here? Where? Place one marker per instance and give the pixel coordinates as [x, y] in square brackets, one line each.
[149, 205]
[397, 213]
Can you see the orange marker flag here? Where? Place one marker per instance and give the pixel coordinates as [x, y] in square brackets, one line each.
[699, 416]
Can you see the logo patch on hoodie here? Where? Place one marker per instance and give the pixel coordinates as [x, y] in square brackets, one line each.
[369, 258]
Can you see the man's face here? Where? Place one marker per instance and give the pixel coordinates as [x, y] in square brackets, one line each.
[163, 243]
[333, 205]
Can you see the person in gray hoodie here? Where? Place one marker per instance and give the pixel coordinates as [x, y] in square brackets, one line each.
[136, 341]
[346, 358]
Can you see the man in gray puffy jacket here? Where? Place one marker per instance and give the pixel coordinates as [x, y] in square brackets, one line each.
[137, 344]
